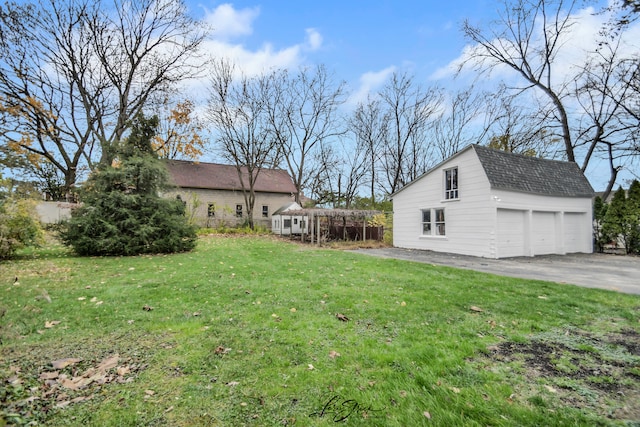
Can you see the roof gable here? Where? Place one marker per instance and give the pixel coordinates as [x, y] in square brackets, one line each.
[526, 174]
[214, 176]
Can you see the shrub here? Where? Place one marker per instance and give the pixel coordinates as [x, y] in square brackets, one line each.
[19, 226]
[122, 213]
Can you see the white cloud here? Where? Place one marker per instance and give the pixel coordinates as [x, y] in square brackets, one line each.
[314, 39]
[575, 46]
[369, 83]
[228, 23]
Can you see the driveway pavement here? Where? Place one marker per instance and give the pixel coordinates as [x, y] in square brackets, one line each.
[612, 272]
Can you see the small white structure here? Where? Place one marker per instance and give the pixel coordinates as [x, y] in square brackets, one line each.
[286, 225]
[493, 204]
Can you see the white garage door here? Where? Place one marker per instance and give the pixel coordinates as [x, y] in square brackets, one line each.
[510, 233]
[574, 235]
[543, 233]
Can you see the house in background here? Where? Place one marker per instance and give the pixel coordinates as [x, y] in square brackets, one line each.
[490, 203]
[286, 225]
[214, 196]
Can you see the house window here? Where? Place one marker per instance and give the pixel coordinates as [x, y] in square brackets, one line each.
[426, 222]
[239, 211]
[451, 184]
[211, 210]
[433, 223]
[287, 223]
[265, 211]
[295, 221]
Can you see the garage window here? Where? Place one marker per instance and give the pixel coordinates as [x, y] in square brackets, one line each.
[451, 184]
[433, 223]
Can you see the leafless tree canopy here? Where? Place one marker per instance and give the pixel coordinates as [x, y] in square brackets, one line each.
[238, 112]
[590, 109]
[73, 73]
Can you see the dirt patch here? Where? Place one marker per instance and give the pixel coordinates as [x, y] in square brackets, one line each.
[600, 374]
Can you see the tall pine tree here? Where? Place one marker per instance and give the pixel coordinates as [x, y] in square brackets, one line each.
[122, 212]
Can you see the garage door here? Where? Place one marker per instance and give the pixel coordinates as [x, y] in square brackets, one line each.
[574, 236]
[510, 233]
[543, 233]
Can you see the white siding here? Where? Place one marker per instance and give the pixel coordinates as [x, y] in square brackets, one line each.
[486, 222]
[470, 220]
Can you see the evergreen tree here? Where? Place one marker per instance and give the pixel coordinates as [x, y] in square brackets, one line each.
[122, 212]
[618, 223]
[599, 212]
[633, 208]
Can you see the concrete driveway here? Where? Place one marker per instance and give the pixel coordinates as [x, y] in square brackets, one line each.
[612, 272]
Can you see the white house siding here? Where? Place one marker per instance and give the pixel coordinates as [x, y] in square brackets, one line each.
[469, 221]
[490, 223]
[225, 206]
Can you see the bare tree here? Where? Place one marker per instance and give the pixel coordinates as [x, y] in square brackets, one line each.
[73, 74]
[238, 112]
[528, 38]
[519, 126]
[409, 109]
[303, 119]
[370, 126]
[459, 123]
[608, 128]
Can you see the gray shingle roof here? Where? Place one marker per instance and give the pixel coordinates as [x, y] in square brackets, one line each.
[215, 176]
[516, 172]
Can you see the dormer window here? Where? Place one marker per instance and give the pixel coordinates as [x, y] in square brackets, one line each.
[451, 184]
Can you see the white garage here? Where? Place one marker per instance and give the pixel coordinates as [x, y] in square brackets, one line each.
[490, 203]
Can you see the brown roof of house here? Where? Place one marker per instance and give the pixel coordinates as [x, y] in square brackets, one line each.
[213, 176]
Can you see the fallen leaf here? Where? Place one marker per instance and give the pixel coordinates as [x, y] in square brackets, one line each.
[550, 389]
[342, 317]
[169, 409]
[49, 375]
[123, 370]
[221, 350]
[454, 389]
[476, 309]
[333, 354]
[542, 297]
[149, 392]
[99, 302]
[233, 383]
[63, 363]
[94, 299]
[427, 415]
[403, 393]
[403, 303]
[293, 310]
[147, 308]
[45, 295]
[108, 363]
[310, 367]
[51, 324]
[82, 298]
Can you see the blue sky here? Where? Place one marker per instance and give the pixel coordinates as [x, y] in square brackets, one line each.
[363, 42]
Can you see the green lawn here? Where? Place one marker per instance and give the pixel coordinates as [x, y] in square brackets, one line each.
[243, 331]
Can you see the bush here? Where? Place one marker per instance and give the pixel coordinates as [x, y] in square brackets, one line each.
[19, 226]
[122, 213]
